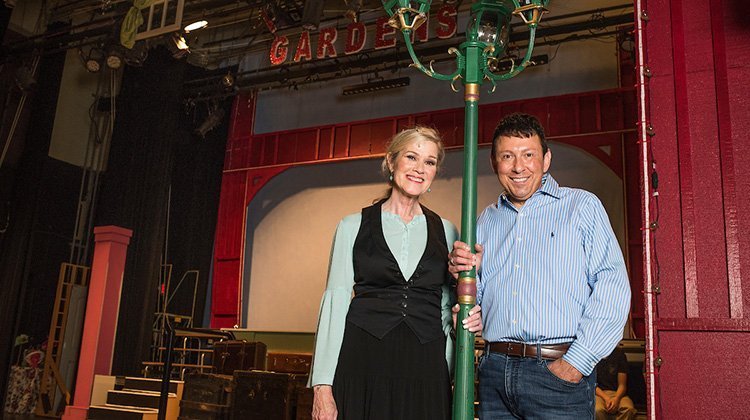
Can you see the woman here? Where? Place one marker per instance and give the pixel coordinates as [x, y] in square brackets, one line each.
[382, 353]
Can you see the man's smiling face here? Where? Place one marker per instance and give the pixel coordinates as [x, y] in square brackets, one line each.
[520, 165]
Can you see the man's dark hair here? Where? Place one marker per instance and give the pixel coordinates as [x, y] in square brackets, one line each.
[519, 125]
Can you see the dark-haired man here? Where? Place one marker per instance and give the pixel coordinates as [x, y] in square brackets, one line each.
[553, 286]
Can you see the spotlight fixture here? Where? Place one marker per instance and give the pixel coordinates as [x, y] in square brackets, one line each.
[196, 25]
[495, 65]
[25, 79]
[375, 85]
[93, 60]
[228, 80]
[178, 45]
[215, 115]
[180, 42]
[114, 59]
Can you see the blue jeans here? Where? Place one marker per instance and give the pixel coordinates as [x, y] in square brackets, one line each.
[513, 387]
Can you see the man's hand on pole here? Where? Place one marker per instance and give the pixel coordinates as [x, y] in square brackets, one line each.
[462, 259]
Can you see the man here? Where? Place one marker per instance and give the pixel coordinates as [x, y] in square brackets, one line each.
[553, 287]
[611, 387]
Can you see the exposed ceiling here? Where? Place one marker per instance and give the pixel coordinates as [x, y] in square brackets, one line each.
[236, 29]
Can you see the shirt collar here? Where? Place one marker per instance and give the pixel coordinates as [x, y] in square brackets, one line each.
[549, 187]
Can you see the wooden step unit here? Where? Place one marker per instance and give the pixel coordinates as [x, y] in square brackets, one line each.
[115, 398]
[115, 412]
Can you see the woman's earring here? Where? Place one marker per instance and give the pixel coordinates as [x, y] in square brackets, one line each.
[390, 177]
[429, 189]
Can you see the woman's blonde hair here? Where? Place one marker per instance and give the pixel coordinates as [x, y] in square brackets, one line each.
[401, 141]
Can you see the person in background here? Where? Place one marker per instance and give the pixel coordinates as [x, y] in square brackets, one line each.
[551, 282]
[384, 353]
[612, 387]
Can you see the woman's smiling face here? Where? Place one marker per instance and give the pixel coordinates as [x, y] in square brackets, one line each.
[415, 168]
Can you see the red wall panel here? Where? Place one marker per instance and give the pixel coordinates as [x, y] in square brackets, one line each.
[698, 106]
[701, 394]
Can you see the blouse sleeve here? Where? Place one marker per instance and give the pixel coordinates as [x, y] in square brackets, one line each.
[335, 303]
[448, 298]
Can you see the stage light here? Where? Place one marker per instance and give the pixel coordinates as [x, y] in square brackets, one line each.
[228, 80]
[93, 60]
[180, 42]
[196, 25]
[25, 79]
[375, 85]
[178, 46]
[215, 115]
[114, 59]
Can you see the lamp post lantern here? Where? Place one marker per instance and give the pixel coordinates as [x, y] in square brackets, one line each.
[486, 42]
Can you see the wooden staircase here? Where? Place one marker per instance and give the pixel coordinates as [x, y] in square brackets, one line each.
[132, 398]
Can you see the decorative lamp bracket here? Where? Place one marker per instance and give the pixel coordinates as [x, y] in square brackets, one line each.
[533, 18]
[399, 21]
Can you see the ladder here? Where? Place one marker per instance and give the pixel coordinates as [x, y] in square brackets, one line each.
[70, 275]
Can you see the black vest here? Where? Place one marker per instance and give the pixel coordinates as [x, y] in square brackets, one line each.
[383, 298]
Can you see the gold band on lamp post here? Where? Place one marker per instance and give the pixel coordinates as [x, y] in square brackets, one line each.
[471, 92]
[466, 289]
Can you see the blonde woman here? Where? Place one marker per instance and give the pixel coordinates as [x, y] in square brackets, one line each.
[384, 353]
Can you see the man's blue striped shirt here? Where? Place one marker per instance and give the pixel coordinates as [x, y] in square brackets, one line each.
[553, 272]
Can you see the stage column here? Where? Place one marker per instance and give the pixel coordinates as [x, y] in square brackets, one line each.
[102, 307]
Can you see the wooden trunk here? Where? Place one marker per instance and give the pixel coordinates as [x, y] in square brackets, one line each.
[266, 395]
[238, 355]
[207, 397]
[289, 362]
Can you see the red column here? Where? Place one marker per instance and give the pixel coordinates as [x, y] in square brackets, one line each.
[102, 307]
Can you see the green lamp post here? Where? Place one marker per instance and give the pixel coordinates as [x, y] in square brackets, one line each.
[486, 41]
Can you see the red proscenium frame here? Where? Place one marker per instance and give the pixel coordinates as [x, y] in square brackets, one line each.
[601, 122]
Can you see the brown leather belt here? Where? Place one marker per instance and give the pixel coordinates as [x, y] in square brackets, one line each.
[546, 351]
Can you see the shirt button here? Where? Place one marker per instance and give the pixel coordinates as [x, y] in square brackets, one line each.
[515, 293]
[517, 266]
[519, 239]
[515, 322]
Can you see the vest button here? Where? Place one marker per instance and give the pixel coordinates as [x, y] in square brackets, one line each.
[403, 313]
[405, 296]
[403, 304]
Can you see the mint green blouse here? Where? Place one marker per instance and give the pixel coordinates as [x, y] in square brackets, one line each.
[407, 242]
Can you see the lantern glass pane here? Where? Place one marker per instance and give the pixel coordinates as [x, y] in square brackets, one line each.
[487, 29]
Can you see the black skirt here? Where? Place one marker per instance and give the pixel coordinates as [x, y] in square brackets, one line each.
[393, 378]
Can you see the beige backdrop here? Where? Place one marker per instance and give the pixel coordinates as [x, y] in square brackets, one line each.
[291, 223]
